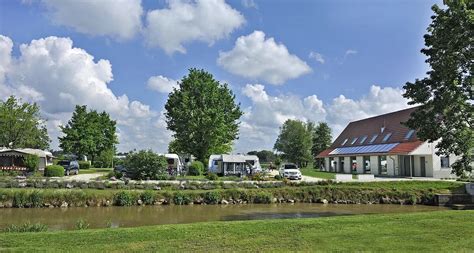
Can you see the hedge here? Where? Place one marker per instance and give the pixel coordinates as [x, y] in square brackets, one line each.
[54, 171]
[307, 194]
[196, 168]
[84, 165]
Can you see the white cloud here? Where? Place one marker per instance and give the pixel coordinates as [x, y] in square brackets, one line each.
[249, 4]
[186, 21]
[162, 84]
[115, 18]
[316, 56]
[261, 121]
[350, 51]
[58, 76]
[258, 58]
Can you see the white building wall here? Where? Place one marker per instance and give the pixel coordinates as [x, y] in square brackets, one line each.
[347, 164]
[360, 164]
[374, 168]
[392, 165]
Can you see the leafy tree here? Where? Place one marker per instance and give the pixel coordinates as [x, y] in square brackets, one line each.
[21, 125]
[322, 139]
[145, 164]
[295, 141]
[88, 133]
[105, 159]
[264, 156]
[446, 96]
[203, 115]
[31, 162]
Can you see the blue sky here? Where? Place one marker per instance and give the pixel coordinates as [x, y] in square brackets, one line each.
[362, 50]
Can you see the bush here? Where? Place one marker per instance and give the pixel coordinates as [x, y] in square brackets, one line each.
[84, 165]
[278, 177]
[212, 176]
[54, 171]
[196, 168]
[31, 162]
[148, 197]
[212, 197]
[124, 198]
[181, 198]
[26, 227]
[145, 164]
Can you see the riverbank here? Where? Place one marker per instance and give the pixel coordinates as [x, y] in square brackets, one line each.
[338, 193]
[443, 231]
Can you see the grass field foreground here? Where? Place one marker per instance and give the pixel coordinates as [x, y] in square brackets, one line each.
[440, 231]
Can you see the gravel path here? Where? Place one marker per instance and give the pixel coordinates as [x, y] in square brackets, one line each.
[83, 177]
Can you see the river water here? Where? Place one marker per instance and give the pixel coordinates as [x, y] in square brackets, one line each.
[101, 217]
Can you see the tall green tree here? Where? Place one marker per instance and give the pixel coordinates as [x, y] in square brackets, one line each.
[295, 142]
[203, 115]
[264, 156]
[88, 133]
[21, 125]
[322, 139]
[446, 113]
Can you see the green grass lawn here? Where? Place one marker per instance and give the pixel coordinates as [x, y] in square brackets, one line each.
[95, 170]
[440, 231]
[311, 172]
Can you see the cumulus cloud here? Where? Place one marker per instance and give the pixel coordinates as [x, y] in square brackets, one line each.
[162, 84]
[114, 18]
[260, 58]
[249, 4]
[316, 56]
[261, 121]
[186, 21]
[58, 76]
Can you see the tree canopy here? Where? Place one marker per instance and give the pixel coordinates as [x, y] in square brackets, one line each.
[295, 141]
[203, 115]
[322, 138]
[21, 125]
[88, 133]
[264, 156]
[446, 114]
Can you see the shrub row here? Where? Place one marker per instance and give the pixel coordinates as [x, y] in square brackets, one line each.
[54, 171]
[311, 194]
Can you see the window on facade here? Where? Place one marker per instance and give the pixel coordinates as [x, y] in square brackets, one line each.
[354, 141]
[444, 161]
[362, 140]
[383, 165]
[366, 164]
[409, 134]
[344, 142]
[353, 163]
[386, 137]
[373, 138]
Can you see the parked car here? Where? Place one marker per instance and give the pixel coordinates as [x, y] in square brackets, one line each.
[70, 167]
[290, 171]
[120, 168]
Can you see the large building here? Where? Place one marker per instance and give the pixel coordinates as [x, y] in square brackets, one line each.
[383, 146]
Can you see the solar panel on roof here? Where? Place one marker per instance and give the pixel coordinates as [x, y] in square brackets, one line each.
[380, 148]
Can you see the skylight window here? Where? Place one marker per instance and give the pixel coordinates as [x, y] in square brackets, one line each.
[362, 140]
[354, 141]
[409, 134]
[373, 138]
[386, 137]
[344, 142]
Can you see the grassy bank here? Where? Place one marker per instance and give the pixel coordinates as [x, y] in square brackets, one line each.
[347, 193]
[311, 172]
[442, 231]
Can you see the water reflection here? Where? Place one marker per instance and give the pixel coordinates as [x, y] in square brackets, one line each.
[100, 217]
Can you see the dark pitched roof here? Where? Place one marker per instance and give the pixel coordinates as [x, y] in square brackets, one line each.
[390, 122]
[380, 126]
